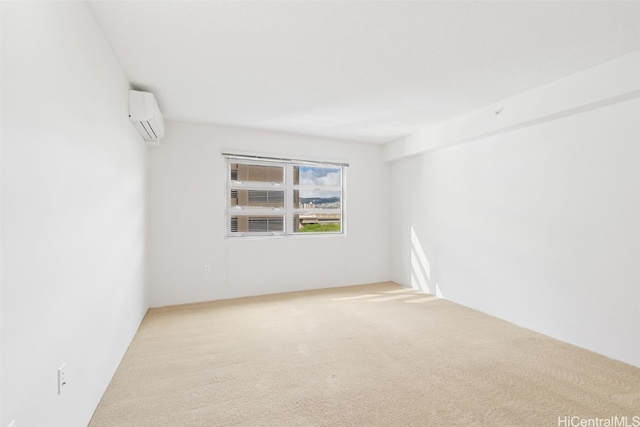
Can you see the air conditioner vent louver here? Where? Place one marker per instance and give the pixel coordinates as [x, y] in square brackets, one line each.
[145, 115]
[149, 130]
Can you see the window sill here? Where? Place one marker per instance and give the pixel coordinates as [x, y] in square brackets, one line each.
[289, 236]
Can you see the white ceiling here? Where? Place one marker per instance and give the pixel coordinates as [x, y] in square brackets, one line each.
[360, 70]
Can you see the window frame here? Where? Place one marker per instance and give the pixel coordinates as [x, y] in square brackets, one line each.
[288, 212]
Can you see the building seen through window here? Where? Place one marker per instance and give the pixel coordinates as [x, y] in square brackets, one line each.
[284, 198]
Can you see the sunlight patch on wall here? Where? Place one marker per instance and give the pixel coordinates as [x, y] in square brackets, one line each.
[420, 266]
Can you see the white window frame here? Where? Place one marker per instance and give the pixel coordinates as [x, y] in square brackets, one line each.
[288, 212]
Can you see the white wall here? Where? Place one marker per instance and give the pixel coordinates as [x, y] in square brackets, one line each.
[187, 220]
[73, 183]
[539, 225]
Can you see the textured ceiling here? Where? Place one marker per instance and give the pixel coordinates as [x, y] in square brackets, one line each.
[367, 71]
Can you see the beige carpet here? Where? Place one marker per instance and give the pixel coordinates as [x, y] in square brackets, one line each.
[373, 355]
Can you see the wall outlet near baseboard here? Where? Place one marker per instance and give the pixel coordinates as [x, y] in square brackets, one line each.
[62, 378]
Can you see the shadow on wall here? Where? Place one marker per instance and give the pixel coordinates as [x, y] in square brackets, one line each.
[421, 268]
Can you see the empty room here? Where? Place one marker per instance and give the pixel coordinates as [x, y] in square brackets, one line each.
[320, 213]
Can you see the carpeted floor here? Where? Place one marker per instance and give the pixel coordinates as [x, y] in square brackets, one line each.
[373, 355]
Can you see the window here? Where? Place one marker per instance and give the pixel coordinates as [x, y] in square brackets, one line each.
[268, 196]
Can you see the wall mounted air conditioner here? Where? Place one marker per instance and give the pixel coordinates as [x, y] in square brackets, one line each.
[145, 115]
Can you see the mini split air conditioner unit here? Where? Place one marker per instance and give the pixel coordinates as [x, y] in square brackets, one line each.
[146, 116]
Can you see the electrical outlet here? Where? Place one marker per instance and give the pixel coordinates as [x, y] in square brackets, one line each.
[207, 268]
[62, 377]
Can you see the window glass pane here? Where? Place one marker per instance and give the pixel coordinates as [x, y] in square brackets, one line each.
[316, 223]
[256, 173]
[316, 199]
[316, 176]
[257, 198]
[256, 224]
[282, 197]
